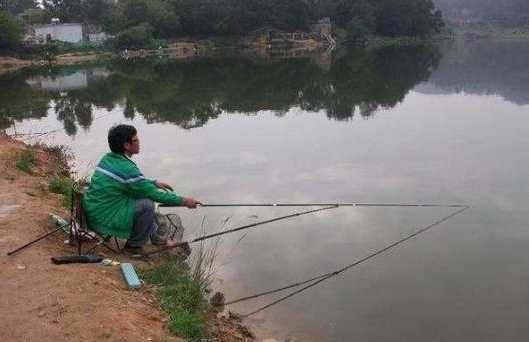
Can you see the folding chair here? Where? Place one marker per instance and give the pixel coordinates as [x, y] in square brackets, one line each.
[80, 231]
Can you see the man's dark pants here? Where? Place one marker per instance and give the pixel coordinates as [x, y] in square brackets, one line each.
[144, 223]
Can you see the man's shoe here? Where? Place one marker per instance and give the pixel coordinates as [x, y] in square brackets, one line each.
[134, 251]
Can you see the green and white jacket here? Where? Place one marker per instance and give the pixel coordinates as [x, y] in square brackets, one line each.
[115, 186]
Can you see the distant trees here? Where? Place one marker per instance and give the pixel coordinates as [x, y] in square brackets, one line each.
[407, 18]
[88, 11]
[158, 14]
[11, 31]
[15, 7]
[508, 12]
[174, 18]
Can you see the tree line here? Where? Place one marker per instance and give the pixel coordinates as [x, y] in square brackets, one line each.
[505, 12]
[166, 19]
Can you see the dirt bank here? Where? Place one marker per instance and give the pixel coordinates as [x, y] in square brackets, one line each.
[44, 302]
[176, 50]
[10, 64]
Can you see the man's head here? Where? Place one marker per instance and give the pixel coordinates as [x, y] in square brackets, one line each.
[123, 139]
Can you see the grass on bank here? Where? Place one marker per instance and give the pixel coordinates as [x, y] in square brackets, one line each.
[25, 160]
[62, 185]
[181, 296]
[182, 288]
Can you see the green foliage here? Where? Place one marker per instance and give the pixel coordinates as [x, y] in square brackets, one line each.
[135, 37]
[92, 12]
[62, 185]
[25, 160]
[11, 31]
[175, 18]
[181, 297]
[407, 18]
[15, 7]
[157, 13]
[186, 324]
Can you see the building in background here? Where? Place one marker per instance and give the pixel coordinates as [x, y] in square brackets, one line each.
[71, 33]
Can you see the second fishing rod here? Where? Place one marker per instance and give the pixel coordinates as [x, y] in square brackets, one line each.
[405, 205]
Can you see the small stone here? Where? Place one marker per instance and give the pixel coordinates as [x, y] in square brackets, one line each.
[21, 267]
[106, 262]
[41, 314]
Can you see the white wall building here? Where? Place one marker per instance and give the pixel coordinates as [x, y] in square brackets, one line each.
[71, 33]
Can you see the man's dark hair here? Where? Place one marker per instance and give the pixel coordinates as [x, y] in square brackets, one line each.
[119, 135]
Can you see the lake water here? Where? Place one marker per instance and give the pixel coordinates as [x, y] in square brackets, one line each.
[445, 124]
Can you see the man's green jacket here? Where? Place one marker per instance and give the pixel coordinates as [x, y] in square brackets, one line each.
[110, 200]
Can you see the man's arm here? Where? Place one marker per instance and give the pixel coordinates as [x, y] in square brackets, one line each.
[147, 189]
[150, 189]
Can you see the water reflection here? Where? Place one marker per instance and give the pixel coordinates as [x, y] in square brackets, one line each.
[483, 68]
[189, 94]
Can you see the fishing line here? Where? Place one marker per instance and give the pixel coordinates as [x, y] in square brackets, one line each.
[209, 236]
[407, 205]
[321, 278]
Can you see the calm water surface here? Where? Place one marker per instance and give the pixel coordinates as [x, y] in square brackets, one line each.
[439, 125]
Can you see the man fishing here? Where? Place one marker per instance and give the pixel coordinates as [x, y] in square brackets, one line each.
[120, 200]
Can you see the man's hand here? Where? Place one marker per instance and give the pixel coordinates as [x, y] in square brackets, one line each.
[163, 185]
[190, 203]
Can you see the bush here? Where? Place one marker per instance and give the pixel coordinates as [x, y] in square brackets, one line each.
[11, 31]
[25, 160]
[135, 37]
[63, 186]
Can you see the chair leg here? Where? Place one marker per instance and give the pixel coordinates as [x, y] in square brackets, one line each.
[79, 242]
[117, 244]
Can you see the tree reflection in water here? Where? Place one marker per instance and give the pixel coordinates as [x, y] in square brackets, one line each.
[189, 94]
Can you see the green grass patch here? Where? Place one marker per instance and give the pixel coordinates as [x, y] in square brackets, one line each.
[181, 297]
[62, 185]
[26, 160]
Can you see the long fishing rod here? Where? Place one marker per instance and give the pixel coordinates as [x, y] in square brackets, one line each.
[412, 205]
[321, 278]
[209, 236]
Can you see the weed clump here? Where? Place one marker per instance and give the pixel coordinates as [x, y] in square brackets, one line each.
[26, 160]
[62, 185]
[181, 297]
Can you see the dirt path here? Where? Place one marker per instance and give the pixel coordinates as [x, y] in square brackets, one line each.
[43, 302]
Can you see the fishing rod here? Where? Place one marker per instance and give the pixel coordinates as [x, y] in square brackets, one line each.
[38, 239]
[209, 236]
[321, 278]
[409, 205]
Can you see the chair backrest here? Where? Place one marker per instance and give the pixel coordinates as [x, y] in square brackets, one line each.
[78, 213]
